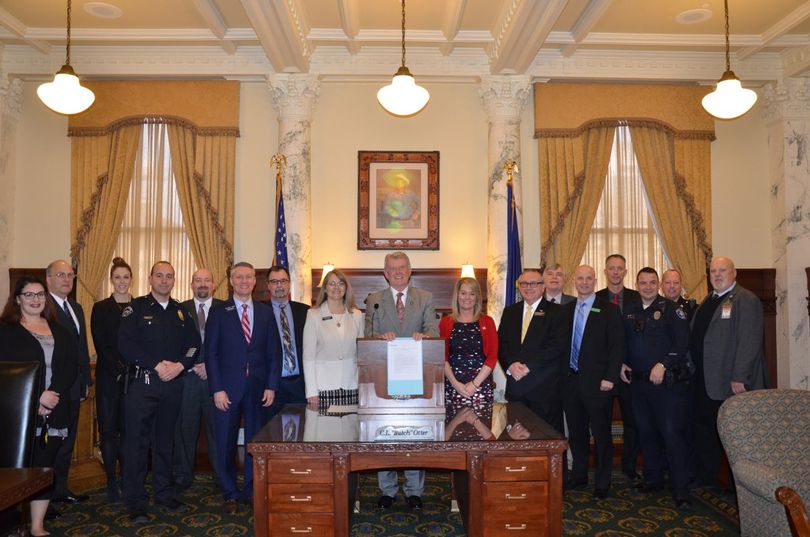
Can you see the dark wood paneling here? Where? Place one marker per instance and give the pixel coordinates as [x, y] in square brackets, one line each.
[762, 282]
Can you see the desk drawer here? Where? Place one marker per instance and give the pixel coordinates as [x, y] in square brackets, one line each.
[515, 468]
[515, 529]
[299, 470]
[310, 498]
[516, 498]
[308, 525]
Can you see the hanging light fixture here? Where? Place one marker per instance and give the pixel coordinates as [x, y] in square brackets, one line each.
[403, 97]
[729, 100]
[65, 94]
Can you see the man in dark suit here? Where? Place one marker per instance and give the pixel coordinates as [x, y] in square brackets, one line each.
[288, 318]
[618, 294]
[60, 276]
[400, 310]
[594, 364]
[553, 280]
[196, 403]
[726, 348]
[242, 362]
[531, 349]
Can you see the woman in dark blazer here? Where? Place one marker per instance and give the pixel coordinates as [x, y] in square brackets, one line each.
[110, 371]
[30, 332]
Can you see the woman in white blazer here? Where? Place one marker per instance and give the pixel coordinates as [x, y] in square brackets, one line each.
[330, 347]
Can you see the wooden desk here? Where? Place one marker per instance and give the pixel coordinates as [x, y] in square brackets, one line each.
[305, 469]
[17, 484]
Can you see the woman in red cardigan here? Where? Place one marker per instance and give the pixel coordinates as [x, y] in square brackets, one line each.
[471, 350]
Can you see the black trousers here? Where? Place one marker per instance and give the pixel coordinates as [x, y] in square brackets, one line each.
[150, 416]
[110, 413]
[630, 443]
[708, 449]
[588, 415]
[197, 404]
[290, 391]
[61, 465]
[549, 410]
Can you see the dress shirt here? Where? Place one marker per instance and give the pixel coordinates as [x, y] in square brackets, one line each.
[60, 303]
[724, 293]
[289, 314]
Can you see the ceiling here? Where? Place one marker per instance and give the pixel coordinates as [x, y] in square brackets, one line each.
[447, 40]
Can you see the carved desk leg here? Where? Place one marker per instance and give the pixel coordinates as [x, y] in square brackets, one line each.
[342, 507]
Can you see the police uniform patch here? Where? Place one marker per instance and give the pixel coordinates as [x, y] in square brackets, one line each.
[657, 315]
[126, 311]
[180, 314]
[680, 313]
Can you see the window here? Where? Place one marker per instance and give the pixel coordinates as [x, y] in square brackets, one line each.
[153, 227]
[624, 223]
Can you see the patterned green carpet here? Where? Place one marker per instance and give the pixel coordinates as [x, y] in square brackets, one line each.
[623, 514]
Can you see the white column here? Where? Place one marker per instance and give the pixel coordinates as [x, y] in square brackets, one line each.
[294, 97]
[10, 109]
[503, 98]
[787, 115]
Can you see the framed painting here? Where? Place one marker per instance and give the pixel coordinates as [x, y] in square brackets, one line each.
[398, 200]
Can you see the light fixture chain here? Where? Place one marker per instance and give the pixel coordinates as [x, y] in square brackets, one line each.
[403, 33]
[67, 48]
[728, 54]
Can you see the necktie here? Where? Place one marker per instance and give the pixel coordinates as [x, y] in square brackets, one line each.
[286, 340]
[576, 341]
[527, 320]
[201, 321]
[67, 312]
[616, 299]
[246, 323]
[400, 308]
[553, 300]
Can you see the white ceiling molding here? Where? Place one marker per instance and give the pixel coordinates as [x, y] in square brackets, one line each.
[350, 23]
[212, 17]
[590, 16]
[451, 23]
[282, 30]
[522, 28]
[796, 62]
[790, 21]
[20, 30]
[672, 40]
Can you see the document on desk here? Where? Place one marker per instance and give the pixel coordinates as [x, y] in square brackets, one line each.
[405, 367]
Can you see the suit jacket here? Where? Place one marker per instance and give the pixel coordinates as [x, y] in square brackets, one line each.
[420, 315]
[732, 348]
[629, 295]
[564, 299]
[83, 380]
[191, 309]
[18, 345]
[104, 322]
[543, 351]
[601, 352]
[299, 315]
[232, 365]
[330, 353]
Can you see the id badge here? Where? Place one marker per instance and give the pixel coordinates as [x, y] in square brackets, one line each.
[726, 311]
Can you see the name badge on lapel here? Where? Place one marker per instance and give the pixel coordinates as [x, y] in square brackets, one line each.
[725, 312]
[230, 308]
[539, 313]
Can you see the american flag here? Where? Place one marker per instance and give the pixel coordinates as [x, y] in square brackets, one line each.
[513, 264]
[280, 252]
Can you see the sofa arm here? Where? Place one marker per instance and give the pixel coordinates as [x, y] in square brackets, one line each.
[760, 479]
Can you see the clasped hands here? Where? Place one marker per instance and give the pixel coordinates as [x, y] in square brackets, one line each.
[222, 402]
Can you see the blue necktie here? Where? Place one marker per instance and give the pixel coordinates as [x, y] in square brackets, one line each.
[576, 341]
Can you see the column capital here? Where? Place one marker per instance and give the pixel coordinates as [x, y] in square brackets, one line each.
[786, 99]
[10, 97]
[504, 96]
[294, 95]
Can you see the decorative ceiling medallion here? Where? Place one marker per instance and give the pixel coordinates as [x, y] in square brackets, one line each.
[103, 10]
[694, 16]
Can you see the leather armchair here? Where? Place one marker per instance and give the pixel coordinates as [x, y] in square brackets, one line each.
[766, 435]
[20, 388]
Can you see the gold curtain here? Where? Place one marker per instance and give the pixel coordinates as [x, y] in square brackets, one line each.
[679, 193]
[101, 171]
[204, 166]
[572, 175]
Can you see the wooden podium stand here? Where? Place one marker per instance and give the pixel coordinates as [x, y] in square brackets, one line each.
[372, 371]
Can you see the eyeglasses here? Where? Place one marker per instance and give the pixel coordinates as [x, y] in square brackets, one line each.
[529, 284]
[336, 284]
[278, 282]
[64, 275]
[30, 294]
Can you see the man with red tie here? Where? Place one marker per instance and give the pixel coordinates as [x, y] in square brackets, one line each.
[241, 358]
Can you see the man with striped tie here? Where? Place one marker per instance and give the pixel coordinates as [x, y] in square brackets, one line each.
[241, 358]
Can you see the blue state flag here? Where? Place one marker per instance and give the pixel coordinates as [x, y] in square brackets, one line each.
[513, 263]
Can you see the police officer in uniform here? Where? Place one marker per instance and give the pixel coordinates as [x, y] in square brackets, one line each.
[657, 339]
[672, 288]
[159, 342]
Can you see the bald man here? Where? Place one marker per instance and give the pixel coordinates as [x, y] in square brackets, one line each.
[726, 348]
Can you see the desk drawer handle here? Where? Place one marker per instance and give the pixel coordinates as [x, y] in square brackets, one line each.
[293, 471]
[510, 469]
[517, 528]
[515, 497]
[308, 530]
[307, 499]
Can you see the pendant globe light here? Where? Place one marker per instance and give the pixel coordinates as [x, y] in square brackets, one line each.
[65, 95]
[403, 97]
[729, 100]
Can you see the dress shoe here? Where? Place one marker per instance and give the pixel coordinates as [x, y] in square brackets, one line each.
[113, 493]
[138, 518]
[52, 513]
[70, 497]
[415, 503]
[231, 507]
[174, 505]
[683, 503]
[631, 475]
[574, 484]
[385, 502]
[600, 494]
[648, 488]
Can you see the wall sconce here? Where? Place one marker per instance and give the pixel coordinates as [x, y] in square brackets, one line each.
[467, 271]
[327, 268]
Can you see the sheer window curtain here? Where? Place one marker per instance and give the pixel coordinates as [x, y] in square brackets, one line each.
[624, 223]
[153, 228]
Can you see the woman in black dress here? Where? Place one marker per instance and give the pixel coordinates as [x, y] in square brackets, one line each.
[30, 332]
[110, 372]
